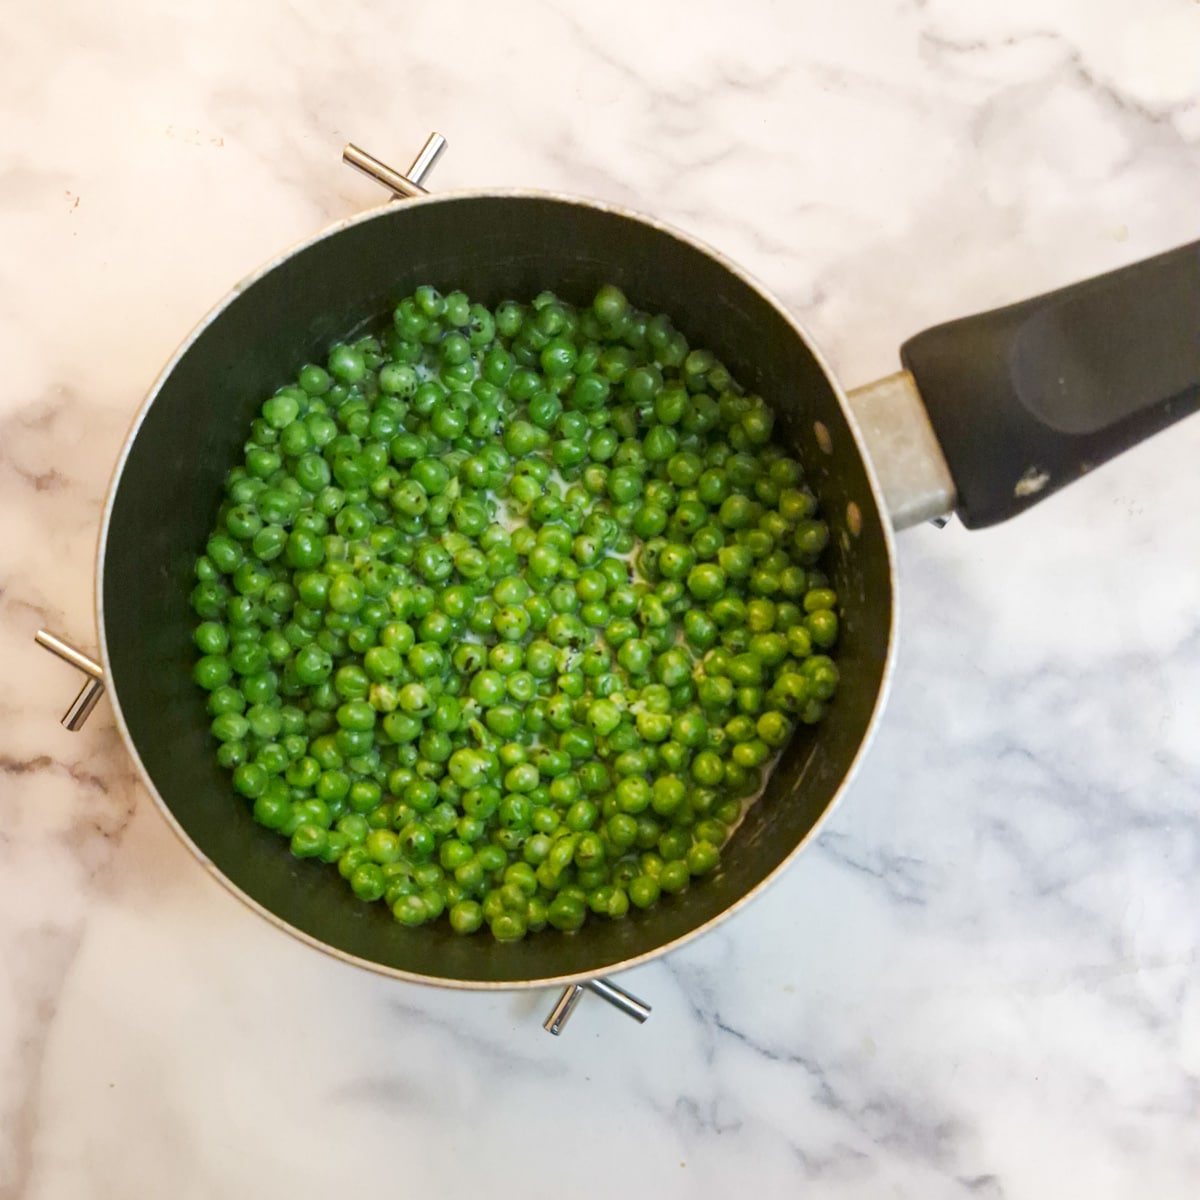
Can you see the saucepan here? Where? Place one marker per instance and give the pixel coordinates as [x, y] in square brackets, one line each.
[989, 415]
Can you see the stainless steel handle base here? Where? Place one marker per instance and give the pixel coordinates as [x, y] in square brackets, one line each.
[629, 1004]
[93, 687]
[904, 450]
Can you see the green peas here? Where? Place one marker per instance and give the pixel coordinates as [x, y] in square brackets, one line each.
[673, 667]
[382, 662]
[581, 816]
[224, 552]
[811, 537]
[211, 638]
[644, 891]
[676, 561]
[312, 665]
[752, 753]
[262, 463]
[301, 549]
[822, 676]
[251, 779]
[356, 715]
[411, 910]
[230, 727]
[309, 841]
[272, 810]
[558, 357]
[226, 699]
[566, 912]
[398, 379]
[468, 768]
[660, 443]
[542, 573]
[667, 794]
[706, 581]
[466, 917]
[690, 728]
[635, 655]
[653, 727]
[368, 882]
[774, 728]
[314, 380]
[700, 629]
[523, 777]
[746, 670]
[332, 786]
[352, 682]
[346, 594]
[713, 487]
[770, 648]
[610, 305]
[346, 364]
[822, 627]
[383, 846]
[707, 768]
[624, 484]
[685, 470]
[633, 794]
[674, 876]
[603, 716]
[487, 688]
[212, 671]
[511, 622]
[590, 392]
[649, 520]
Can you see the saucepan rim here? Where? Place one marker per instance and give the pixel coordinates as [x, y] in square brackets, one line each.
[396, 212]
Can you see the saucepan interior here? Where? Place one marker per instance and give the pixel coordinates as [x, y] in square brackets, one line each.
[493, 245]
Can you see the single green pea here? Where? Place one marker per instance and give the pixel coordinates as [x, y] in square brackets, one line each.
[346, 364]
[610, 305]
[660, 443]
[212, 671]
[368, 882]
[211, 638]
[314, 380]
[633, 794]
[309, 841]
[566, 913]
[707, 768]
[590, 392]
[706, 581]
[635, 655]
[644, 891]
[674, 877]
[411, 910]
[250, 779]
[426, 659]
[466, 917]
[226, 699]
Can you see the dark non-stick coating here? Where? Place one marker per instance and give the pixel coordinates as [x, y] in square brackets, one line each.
[493, 245]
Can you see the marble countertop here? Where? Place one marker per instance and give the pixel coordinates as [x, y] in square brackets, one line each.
[984, 979]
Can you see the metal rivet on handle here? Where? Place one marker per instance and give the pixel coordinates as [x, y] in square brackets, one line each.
[629, 1004]
[93, 688]
[404, 186]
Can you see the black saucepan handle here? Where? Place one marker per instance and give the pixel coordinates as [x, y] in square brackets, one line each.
[1027, 398]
